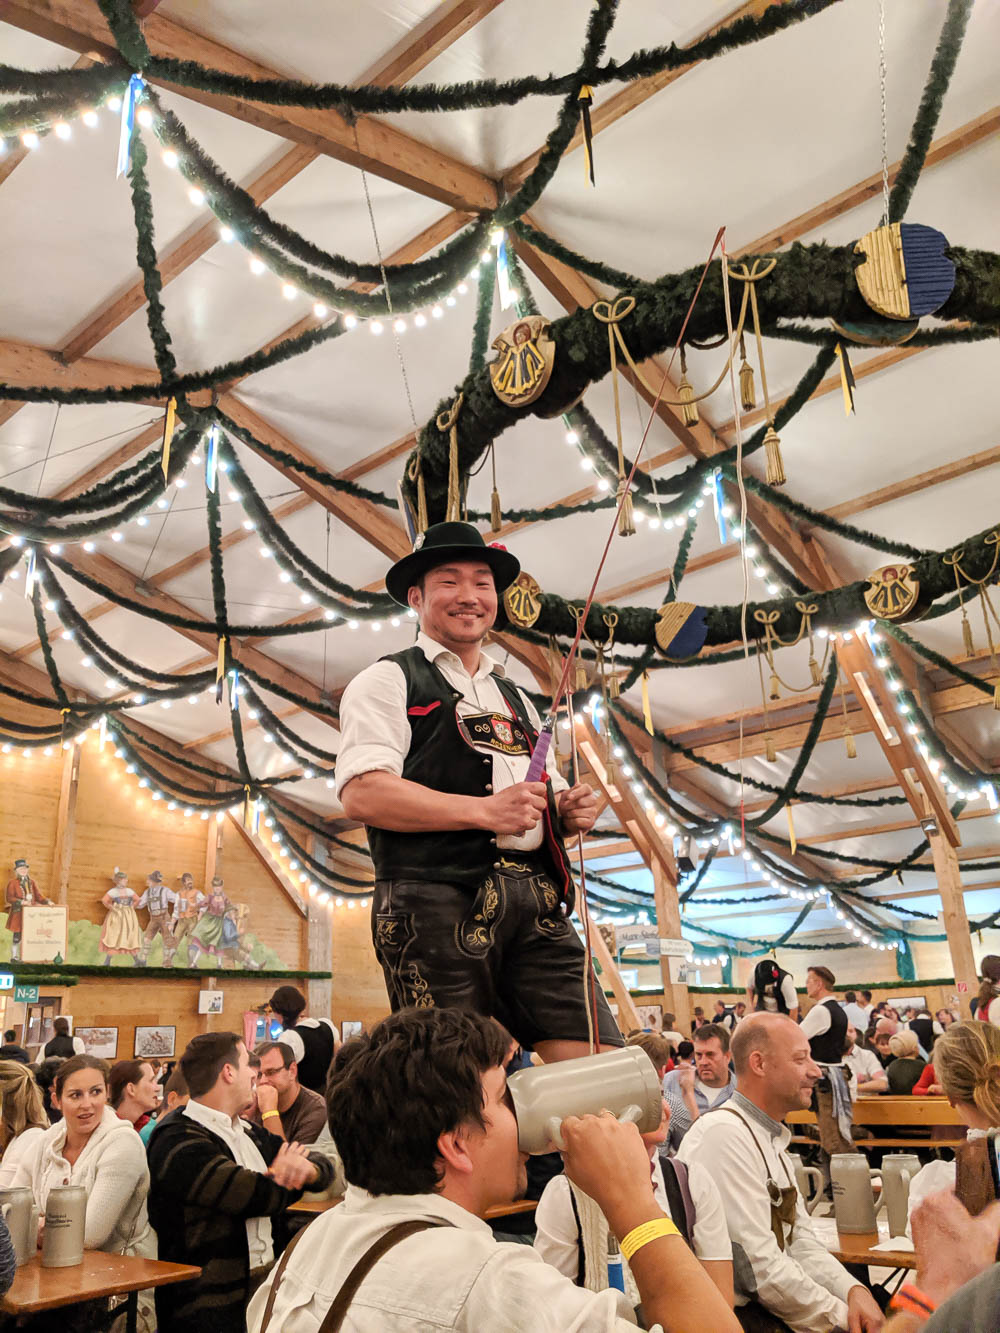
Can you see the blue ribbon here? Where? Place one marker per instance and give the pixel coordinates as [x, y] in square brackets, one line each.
[132, 94]
[503, 276]
[212, 456]
[234, 689]
[719, 499]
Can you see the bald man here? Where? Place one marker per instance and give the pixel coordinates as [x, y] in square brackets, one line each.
[744, 1146]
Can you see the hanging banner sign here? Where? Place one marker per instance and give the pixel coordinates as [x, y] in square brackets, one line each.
[626, 935]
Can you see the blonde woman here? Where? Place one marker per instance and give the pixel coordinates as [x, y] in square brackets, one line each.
[22, 1116]
[904, 1071]
[967, 1062]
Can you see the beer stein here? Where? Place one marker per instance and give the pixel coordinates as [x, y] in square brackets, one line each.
[853, 1200]
[18, 1212]
[65, 1226]
[803, 1174]
[898, 1169]
[623, 1082]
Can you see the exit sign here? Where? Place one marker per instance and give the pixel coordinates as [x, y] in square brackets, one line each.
[25, 994]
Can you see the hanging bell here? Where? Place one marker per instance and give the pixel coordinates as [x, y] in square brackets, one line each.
[626, 519]
[852, 749]
[770, 753]
[814, 671]
[685, 396]
[748, 399]
[774, 692]
[775, 466]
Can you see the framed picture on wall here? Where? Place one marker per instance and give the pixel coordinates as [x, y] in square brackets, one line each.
[102, 1042]
[349, 1028]
[650, 1016]
[155, 1042]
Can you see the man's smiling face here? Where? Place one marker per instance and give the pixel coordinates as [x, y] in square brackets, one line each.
[456, 602]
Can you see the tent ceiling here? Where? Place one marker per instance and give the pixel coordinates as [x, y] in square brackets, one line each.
[752, 140]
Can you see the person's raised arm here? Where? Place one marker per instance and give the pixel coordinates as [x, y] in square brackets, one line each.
[609, 1162]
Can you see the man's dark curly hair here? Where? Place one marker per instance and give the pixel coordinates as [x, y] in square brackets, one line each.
[392, 1092]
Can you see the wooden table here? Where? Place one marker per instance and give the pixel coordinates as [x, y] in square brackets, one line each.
[314, 1205]
[858, 1250]
[36, 1288]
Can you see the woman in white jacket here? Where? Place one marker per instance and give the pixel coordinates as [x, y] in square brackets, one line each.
[90, 1146]
[23, 1121]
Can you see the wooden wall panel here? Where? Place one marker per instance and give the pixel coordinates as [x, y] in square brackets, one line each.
[126, 1003]
[358, 987]
[29, 799]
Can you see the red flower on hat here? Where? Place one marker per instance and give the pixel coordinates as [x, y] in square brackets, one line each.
[498, 546]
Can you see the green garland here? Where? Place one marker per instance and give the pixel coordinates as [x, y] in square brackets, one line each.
[371, 99]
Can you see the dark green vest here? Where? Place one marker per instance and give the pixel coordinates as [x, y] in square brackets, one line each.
[442, 758]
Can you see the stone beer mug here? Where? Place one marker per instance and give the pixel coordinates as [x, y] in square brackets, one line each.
[65, 1226]
[623, 1082]
[898, 1169]
[18, 1211]
[853, 1200]
[803, 1174]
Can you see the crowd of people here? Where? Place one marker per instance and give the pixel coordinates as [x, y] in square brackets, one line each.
[413, 1124]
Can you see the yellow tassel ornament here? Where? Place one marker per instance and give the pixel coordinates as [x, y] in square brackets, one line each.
[626, 517]
[852, 749]
[748, 400]
[775, 465]
[770, 753]
[775, 692]
[685, 396]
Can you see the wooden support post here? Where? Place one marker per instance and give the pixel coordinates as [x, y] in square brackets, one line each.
[668, 926]
[956, 922]
[213, 850]
[655, 852]
[319, 942]
[65, 823]
[628, 1018]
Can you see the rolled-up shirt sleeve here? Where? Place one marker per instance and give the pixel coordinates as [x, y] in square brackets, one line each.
[374, 732]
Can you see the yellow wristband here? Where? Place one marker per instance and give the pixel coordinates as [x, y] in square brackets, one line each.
[642, 1235]
[265, 1114]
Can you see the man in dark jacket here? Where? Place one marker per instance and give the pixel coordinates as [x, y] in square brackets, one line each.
[10, 1050]
[217, 1184]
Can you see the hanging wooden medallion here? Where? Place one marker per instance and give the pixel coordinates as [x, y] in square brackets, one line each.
[523, 601]
[524, 364]
[892, 592]
[680, 629]
[906, 272]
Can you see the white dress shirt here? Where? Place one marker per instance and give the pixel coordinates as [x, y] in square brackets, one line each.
[375, 733]
[233, 1134]
[788, 994]
[557, 1238]
[856, 1015]
[862, 1063]
[803, 1285]
[455, 1277]
[816, 1022]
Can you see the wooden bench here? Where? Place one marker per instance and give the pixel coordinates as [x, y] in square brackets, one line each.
[928, 1113]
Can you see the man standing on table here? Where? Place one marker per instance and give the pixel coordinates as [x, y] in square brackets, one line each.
[472, 883]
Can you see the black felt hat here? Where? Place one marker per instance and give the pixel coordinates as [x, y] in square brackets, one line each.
[449, 541]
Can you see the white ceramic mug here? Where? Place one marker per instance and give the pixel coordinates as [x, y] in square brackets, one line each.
[623, 1082]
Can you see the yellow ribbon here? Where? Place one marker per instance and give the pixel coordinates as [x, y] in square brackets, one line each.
[647, 715]
[221, 665]
[168, 434]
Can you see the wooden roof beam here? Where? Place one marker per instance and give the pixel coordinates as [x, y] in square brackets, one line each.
[372, 144]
